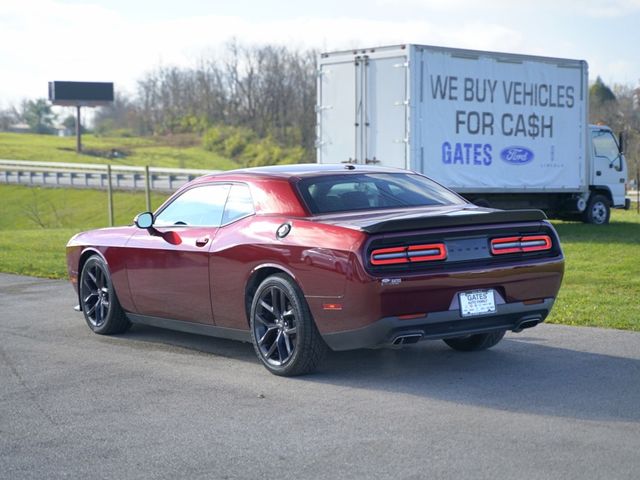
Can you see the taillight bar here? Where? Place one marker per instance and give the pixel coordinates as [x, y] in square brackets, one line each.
[409, 254]
[528, 243]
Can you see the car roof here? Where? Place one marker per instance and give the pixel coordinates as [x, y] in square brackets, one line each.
[304, 170]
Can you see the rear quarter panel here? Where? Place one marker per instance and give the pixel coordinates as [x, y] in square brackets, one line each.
[318, 257]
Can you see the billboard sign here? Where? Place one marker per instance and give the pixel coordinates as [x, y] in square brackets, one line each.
[85, 94]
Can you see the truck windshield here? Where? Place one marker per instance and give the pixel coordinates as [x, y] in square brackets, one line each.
[369, 191]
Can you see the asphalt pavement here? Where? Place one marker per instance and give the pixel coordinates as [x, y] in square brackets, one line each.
[552, 402]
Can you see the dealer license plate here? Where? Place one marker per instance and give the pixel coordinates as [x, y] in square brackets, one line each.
[477, 302]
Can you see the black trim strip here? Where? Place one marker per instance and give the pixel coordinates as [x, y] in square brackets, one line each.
[190, 327]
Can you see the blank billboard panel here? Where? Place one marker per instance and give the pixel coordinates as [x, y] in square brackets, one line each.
[80, 93]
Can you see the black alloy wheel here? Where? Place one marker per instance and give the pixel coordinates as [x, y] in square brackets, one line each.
[95, 295]
[98, 299]
[284, 334]
[275, 329]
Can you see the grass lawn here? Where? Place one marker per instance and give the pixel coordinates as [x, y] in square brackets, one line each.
[36, 223]
[601, 285]
[179, 151]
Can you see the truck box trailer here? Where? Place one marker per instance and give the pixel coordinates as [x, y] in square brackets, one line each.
[501, 129]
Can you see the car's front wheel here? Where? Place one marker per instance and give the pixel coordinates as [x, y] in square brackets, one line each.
[471, 343]
[284, 334]
[98, 299]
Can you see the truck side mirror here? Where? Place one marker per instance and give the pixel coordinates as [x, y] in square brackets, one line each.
[620, 143]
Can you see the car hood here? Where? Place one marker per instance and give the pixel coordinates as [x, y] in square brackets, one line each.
[382, 221]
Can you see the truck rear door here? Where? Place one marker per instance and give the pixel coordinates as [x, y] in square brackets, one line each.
[338, 112]
[362, 108]
[385, 111]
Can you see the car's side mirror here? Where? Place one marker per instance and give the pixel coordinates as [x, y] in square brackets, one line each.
[144, 220]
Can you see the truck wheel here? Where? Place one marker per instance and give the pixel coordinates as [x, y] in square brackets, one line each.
[284, 334]
[100, 305]
[472, 343]
[598, 210]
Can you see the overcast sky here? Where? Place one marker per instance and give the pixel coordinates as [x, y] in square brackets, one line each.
[118, 40]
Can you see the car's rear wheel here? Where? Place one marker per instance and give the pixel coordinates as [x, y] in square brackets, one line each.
[100, 305]
[471, 343]
[284, 334]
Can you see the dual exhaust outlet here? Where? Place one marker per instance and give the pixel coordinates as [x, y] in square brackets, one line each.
[414, 337]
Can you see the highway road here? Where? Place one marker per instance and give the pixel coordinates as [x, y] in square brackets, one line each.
[554, 402]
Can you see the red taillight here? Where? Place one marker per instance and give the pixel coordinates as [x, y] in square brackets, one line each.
[528, 243]
[410, 254]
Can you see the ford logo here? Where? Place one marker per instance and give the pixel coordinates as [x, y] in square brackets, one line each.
[516, 155]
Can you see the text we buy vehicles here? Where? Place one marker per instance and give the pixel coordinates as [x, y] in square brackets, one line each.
[503, 130]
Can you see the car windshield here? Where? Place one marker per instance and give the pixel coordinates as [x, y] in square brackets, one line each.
[369, 191]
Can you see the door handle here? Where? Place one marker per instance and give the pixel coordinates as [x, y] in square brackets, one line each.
[201, 242]
[598, 173]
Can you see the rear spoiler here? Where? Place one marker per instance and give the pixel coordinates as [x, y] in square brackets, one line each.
[456, 219]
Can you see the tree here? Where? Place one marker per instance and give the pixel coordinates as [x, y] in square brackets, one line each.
[69, 122]
[38, 115]
[7, 118]
[600, 94]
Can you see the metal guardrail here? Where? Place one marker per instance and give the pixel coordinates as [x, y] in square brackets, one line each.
[93, 175]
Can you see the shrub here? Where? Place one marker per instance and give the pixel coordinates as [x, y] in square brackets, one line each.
[244, 147]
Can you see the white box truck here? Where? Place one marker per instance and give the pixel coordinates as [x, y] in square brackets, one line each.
[503, 130]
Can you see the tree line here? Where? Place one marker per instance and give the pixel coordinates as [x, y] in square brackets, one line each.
[267, 91]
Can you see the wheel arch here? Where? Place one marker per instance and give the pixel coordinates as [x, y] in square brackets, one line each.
[256, 277]
[601, 190]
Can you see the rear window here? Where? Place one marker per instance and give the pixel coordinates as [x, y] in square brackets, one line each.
[369, 191]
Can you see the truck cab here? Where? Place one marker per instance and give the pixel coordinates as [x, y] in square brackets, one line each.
[607, 185]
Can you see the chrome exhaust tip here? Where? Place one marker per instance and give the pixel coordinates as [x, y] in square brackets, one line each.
[527, 323]
[406, 339]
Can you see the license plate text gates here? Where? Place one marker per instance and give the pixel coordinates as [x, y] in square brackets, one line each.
[477, 302]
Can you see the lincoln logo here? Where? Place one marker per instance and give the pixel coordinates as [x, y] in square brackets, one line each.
[516, 155]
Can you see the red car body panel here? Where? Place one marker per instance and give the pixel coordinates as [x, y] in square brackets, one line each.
[165, 273]
[171, 278]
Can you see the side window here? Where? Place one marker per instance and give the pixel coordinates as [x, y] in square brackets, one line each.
[199, 206]
[605, 145]
[239, 204]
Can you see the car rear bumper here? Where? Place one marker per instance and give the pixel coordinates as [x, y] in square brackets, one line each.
[394, 331]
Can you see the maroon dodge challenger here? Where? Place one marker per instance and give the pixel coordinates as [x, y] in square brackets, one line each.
[301, 259]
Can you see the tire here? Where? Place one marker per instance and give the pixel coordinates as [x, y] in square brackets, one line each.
[283, 332]
[598, 210]
[474, 343]
[98, 299]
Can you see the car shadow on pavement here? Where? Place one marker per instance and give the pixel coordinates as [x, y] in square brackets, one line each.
[522, 374]
[191, 343]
